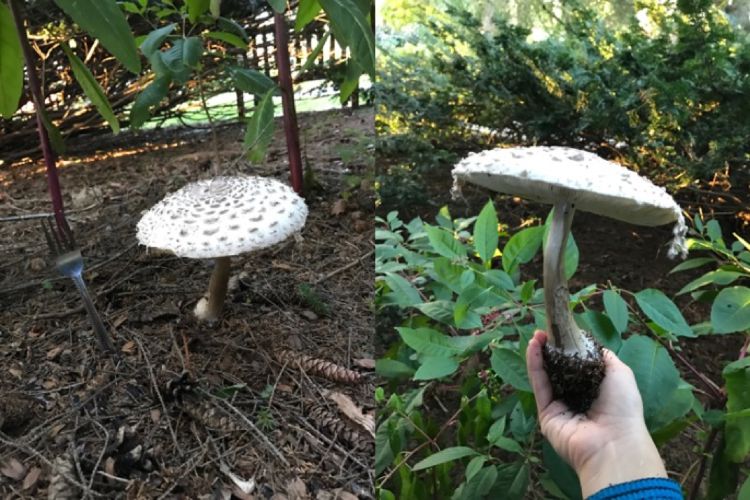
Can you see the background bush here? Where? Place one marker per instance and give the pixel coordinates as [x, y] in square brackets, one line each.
[659, 86]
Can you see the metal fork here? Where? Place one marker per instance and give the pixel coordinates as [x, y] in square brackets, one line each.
[69, 263]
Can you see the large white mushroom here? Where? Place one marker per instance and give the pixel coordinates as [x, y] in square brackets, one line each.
[219, 218]
[571, 180]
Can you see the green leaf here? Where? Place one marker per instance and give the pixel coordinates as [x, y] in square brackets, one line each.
[229, 38]
[666, 433]
[561, 473]
[444, 243]
[192, 49]
[131, 8]
[310, 61]
[616, 309]
[724, 474]
[104, 20]
[444, 456]
[744, 490]
[383, 452]
[55, 137]
[92, 89]
[511, 367]
[662, 311]
[433, 367]
[252, 81]
[306, 12]
[354, 30]
[512, 481]
[391, 368]
[737, 377]
[232, 26]
[150, 96]
[196, 8]
[522, 247]
[348, 86]
[602, 329]
[499, 279]
[475, 464]
[496, 430]
[429, 342]
[571, 257]
[527, 291]
[260, 128]
[402, 293]
[11, 64]
[215, 8]
[485, 233]
[507, 444]
[278, 5]
[692, 264]
[731, 310]
[179, 60]
[155, 39]
[717, 277]
[439, 310]
[479, 485]
[713, 230]
[657, 377]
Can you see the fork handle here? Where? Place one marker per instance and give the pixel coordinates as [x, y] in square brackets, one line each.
[101, 331]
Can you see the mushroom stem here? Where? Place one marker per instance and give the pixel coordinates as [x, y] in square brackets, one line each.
[209, 307]
[564, 333]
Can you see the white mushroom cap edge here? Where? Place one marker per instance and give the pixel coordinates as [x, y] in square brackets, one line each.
[549, 174]
[222, 217]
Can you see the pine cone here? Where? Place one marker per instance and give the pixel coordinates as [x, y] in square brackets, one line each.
[335, 427]
[208, 415]
[320, 367]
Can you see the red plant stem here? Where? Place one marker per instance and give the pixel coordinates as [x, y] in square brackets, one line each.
[35, 87]
[287, 101]
[712, 387]
[743, 349]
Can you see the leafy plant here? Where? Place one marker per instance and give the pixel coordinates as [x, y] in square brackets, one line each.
[457, 417]
[730, 310]
[669, 97]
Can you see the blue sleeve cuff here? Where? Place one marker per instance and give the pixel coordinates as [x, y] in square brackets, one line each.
[650, 488]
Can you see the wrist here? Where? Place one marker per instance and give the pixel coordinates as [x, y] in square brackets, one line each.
[618, 461]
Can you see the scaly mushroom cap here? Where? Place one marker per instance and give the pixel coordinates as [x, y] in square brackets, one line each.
[550, 174]
[223, 216]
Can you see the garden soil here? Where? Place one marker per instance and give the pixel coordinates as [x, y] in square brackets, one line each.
[273, 401]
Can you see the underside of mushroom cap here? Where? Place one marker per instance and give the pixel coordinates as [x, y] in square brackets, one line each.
[546, 174]
[223, 216]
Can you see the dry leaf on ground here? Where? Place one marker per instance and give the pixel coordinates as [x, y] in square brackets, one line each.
[13, 469]
[351, 410]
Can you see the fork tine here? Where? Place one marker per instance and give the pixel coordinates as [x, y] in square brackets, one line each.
[51, 241]
[69, 241]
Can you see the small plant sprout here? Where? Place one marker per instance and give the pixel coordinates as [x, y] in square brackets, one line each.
[219, 218]
[571, 180]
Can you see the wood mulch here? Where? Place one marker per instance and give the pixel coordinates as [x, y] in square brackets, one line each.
[276, 399]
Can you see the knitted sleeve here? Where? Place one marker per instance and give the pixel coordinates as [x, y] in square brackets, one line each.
[650, 488]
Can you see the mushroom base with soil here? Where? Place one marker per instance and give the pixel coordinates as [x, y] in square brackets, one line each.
[574, 379]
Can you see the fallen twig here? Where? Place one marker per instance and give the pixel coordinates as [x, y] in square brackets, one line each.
[343, 268]
[252, 427]
[157, 391]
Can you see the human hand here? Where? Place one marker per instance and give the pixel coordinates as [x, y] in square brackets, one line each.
[609, 444]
